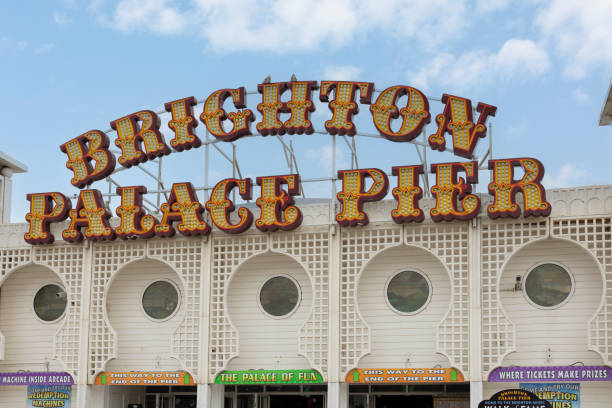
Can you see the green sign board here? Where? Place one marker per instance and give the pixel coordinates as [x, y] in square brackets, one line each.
[269, 377]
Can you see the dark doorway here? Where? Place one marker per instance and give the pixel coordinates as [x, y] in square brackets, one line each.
[404, 401]
[297, 401]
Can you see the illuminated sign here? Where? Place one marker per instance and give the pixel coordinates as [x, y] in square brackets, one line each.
[48, 396]
[139, 139]
[559, 395]
[514, 399]
[269, 377]
[403, 375]
[144, 378]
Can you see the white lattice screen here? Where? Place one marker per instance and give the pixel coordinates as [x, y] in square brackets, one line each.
[312, 249]
[67, 260]
[357, 247]
[450, 243]
[9, 260]
[107, 259]
[595, 234]
[185, 256]
[12, 258]
[227, 254]
[498, 241]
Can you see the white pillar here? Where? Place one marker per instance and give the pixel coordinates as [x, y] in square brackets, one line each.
[203, 395]
[476, 394]
[5, 195]
[83, 396]
[475, 326]
[337, 395]
[333, 357]
[210, 395]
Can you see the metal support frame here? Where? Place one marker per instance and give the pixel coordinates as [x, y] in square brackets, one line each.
[211, 145]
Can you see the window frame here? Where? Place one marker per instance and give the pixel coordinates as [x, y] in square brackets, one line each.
[55, 283]
[295, 308]
[567, 298]
[178, 305]
[425, 304]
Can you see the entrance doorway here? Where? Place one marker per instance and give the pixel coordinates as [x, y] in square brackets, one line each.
[455, 395]
[275, 396]
[401, 401]
[171, 397]
[296, 401]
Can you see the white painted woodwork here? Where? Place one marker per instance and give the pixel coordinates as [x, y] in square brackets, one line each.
[13, 396]
[399, 340]
[562, 329]
[28, 340]
[143, 344]
[266, 342]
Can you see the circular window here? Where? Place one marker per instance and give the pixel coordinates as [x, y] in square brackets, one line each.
[408, 292]
[279, 296]
[160, 300]
[548, 285]
[50, 302]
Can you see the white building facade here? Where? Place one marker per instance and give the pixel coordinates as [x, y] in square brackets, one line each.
[471, 312]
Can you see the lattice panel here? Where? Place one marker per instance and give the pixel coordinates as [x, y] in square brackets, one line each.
[499, 240]
[107, 259]
[227, 254]
[450, 243]
[68, 262]
[357, 247]
[595, 234]
[12, 258]
[312, 249]
[185, 256]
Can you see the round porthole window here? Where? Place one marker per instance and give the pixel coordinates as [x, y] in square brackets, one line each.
[548, 285]
[160, 300]
[279, 296]
[50, 302]
[408, 292]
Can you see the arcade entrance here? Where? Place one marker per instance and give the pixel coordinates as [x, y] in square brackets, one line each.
[170, 397]
[412, 396]
[275, 396]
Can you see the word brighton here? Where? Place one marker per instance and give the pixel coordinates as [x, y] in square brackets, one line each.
[139, 139]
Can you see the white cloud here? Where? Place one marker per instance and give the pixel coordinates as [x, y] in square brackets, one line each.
[7, 44]
[282, 25]
[21, 45]
[342, 73]
[516, 56]
[152, 15]
[580, 32]
[44, 48]
[581, 96]
[487, 6]
[323, 156]
[60, 19]
[69, 3]
[568, 176]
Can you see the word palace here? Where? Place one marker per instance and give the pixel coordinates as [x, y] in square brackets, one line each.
[139, 138]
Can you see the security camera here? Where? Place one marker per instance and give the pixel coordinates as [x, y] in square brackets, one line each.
[517, 283]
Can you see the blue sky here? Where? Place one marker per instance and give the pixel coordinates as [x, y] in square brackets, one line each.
[69, 66]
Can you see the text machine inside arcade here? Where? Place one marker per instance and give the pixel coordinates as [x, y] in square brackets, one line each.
[433, 387]
[139, 139]
[303, 388]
